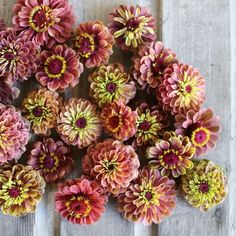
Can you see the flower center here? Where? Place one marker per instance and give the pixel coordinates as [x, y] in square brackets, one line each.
[132, 24]
[200, 136]
[188, 88]
[14, 192]
[40, 18]
[85, 43]
[81, 123]
[111, 87]
[170, 158]
[145, 125]
[49, 162]
[55, 66]
[115, 123]
[9, 56]
[148, 196]
[204, 187]
[38, 111]
[158, 67]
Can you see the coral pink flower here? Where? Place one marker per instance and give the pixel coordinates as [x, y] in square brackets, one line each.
[201, 127]
[43, 20]
[80, 201]
[93, 42]
[112, 164]
[60, 68]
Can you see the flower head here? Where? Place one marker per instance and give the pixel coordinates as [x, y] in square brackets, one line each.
[43, 21]
[111, 83]
[93, 42]
[181, 89]
[18, 56]
[150, 64]
[172, 154]
[201, 127]
[79, 123]
[205, 186]
[132, 26]
[14, 133]
[150, 124]
[41, 108]
[52, 159]
[21, 188]
[112, 164]
[80, 201]
[59, 68]
[149, 199]
[119, 120]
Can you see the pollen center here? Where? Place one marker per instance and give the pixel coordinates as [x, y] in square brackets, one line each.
[204, 187]
[145, 125]
[132, 24]
[111, 87]
[170, 158]
[14, 192]
[200, 136]
[38, 111]
[85, 43]
[81, 123]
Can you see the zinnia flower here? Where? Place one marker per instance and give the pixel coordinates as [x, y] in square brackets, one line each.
[51, 158]
[149, 199]
[132, 26]
[18, 56]
[93, 42]
[79, 123]
[14, 133]
[112, 164]
[111, 83]
[205, 186]
[60, 68]
[172, 154]
[41, 108]
[150, 124]
[150, 64]
[201, 127]
[181, 89]
[80, 201]
[119, 120]
[21, 188]
[43, 21]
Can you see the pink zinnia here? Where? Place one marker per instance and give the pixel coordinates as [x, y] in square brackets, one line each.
[43, 21]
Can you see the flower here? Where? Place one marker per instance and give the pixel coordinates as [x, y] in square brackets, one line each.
[150, 64]
[205, 186]
[18, 56]
[79, 123]
[80, 201]
[14, 133]
[149, 199]
[93, 42]
[172, 154]
[119, 120]
[43, 21]
[132, 26]
[41, 108]
[60, 68]
[111, 83]
[51, 158]
[182, 89]
[112, 164]
[21, 188]
[201, 127]
[150, 124]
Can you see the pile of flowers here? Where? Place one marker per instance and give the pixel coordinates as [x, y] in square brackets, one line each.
[137, 147]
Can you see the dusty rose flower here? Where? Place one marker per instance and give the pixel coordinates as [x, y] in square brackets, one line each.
[205, 186]
[201, 127]
[60, 68]
[42, 21]
[111, 83]
[132, 26]
[41, 108]
[80, 201]
[172, 154]
[149, 199]
[150, 64]
[52, 159]
[21, 188]
[93, 42]
[119, 120]
[79, 123]
[14, 133]
[18, 56]
[112, 164]
[182, 89]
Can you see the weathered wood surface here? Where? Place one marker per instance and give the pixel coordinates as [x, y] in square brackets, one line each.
[202, 33]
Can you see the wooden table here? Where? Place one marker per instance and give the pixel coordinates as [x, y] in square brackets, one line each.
[202, 33]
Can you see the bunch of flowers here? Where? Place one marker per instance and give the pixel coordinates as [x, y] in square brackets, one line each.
[155, 128]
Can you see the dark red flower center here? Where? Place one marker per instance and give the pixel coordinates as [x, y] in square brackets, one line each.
[114, 122]
[158, 67]
[14, 192]
[145, 125]
[55, 66]
[132, 24]
[49, 162]
[204, 187]
[38, 111]
[86, 44]
[170, 158]
[148, 196]
[81, 123]
[111, 87]
[9, 56]
[188, 89]
[200, 136]
[78, 206]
